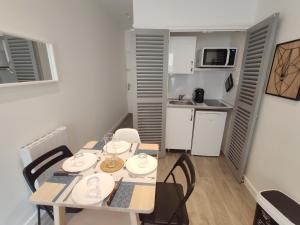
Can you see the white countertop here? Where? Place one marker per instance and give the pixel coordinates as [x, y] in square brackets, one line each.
[200, 106]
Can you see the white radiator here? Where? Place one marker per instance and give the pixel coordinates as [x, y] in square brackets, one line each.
[42, 145]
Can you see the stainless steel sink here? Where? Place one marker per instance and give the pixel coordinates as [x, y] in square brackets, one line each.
[181, 102]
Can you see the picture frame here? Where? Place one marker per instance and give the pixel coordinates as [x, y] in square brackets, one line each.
[284, 77]
[229, 83]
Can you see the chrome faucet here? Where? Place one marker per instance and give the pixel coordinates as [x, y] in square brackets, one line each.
[180, 97]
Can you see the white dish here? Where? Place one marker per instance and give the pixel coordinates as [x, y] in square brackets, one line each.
[119, 147]
[80, 193]
[133, 165]
[84, 161]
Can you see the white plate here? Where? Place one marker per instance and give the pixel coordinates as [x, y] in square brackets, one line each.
[85, 161]
[132, 165]
[120, 146]
[80, 192]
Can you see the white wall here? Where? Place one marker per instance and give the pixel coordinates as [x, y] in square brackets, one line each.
[211, 80]
[89, 98]
[237, 40]
[212, 14]
[129, 70]
[275, 158]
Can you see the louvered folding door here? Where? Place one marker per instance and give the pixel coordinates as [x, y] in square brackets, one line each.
[22, 58]
[150, 68]
[258, 55]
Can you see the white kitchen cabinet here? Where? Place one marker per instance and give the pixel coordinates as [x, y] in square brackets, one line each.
[182, 55]
[208, 133]
[179, 128]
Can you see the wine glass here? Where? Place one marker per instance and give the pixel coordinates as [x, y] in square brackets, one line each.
[109, 152]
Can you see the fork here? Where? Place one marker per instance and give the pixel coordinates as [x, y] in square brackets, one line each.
[68, 195]
[98, 160]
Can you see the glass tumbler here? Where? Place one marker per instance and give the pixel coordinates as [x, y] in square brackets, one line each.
[142, 160]
[77, 160]
[93, 188]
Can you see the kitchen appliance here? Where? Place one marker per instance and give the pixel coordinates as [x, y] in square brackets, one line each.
[208, 132]
[275, 208]
[198, 95]
[216, 57]
[214, 103]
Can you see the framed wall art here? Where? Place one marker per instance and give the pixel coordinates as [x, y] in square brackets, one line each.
[284, 79]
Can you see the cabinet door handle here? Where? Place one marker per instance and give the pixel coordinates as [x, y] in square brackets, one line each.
[192, 65]
[192, 115]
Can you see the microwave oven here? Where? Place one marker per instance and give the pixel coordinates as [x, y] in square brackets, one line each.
[216, 57]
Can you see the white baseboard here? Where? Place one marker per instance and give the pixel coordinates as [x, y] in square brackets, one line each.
[45, 219]
[250, 187]
[32, 220]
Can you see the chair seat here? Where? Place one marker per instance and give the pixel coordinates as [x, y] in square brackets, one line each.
[167, 198]
[73, 210]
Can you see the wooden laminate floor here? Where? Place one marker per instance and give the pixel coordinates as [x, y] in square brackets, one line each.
[217, 198]
[127, 122]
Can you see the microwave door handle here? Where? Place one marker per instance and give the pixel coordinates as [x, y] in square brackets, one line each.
[202, 57]
[227, 58]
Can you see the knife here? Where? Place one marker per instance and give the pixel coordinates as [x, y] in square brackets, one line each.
[113, 193]
[68, 195]
[64, 173]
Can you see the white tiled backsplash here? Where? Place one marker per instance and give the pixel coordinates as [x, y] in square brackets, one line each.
[211, 81]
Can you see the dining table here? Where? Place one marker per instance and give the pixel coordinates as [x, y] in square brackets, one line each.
[136, 194]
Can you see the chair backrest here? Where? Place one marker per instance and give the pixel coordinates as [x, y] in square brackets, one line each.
[186, 165]
[33, 170]
[128, 134]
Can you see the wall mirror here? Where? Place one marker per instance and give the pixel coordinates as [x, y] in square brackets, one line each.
[25, 61]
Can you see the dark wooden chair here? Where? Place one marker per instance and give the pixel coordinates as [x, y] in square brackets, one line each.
[170, 198]
[37, 167]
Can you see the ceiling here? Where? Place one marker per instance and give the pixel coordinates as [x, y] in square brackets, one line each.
[121, 9]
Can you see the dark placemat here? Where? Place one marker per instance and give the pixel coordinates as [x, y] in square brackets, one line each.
[99, 145]
[67, 180]
[61, 179]
[123, 196]
[148, 152]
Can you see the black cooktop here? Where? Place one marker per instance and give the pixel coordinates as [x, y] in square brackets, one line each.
[214, 103]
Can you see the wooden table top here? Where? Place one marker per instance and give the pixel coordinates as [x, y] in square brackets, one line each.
[143, 194]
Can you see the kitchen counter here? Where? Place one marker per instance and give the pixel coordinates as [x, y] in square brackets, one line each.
[201, 106]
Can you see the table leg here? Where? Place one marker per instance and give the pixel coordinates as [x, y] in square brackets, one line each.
[134, 218]
[59, 215]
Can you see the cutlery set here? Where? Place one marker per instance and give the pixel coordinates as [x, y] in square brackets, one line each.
[70, 192]
[64, 173]
[113, 193]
